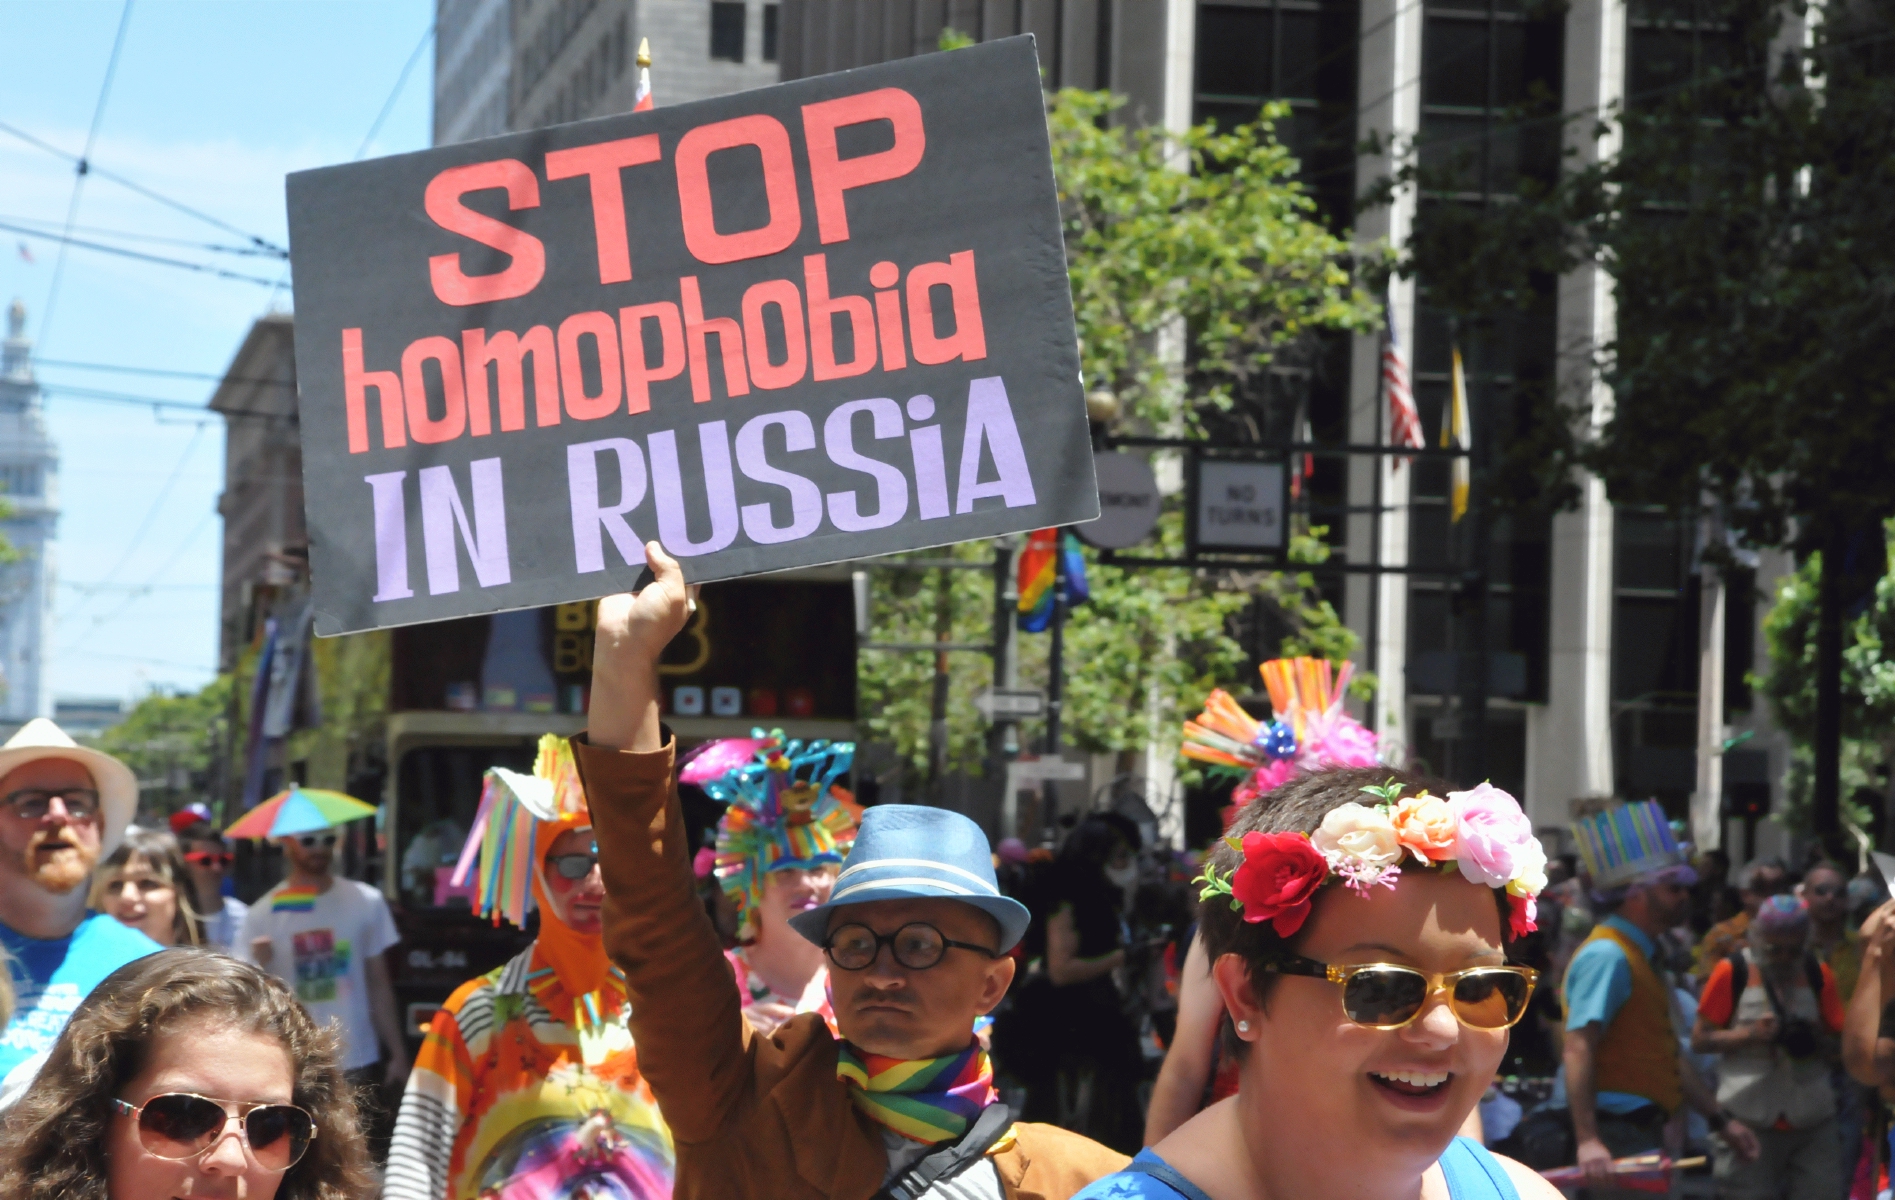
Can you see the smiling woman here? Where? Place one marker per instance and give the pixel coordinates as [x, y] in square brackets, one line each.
[1368, 994]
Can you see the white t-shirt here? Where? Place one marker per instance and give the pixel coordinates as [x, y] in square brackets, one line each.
[319, 944]
[222, 927]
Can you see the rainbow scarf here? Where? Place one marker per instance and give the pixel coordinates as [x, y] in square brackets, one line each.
[926, 1099]
[295, 900]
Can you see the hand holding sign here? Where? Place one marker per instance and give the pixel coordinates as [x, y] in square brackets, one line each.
[820, 321]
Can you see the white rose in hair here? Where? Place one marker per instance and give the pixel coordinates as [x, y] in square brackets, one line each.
[1359, 843]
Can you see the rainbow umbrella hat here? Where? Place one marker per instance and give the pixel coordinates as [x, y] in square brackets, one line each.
[299, 810]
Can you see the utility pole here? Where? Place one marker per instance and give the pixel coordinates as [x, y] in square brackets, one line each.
[938, 713]
[1055, 685]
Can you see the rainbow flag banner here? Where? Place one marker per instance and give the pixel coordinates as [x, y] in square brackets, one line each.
[1035, 577]
[294, 900]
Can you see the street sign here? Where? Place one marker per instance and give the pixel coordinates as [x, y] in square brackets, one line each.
[1045, 768]
[1238, 506]
[1128, 502]
[1011, 703]
[819, 321]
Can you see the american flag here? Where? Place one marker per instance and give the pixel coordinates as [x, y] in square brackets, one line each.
[1404, 420]
[641, 99]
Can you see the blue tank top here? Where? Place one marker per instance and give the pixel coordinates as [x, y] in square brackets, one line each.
[1471, 1173]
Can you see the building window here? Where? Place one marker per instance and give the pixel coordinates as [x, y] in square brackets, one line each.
[769, 32]
[727, 30]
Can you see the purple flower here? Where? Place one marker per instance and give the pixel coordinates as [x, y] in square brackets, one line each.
[1490, 831]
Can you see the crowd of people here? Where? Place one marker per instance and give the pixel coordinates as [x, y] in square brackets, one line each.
[1372, 984]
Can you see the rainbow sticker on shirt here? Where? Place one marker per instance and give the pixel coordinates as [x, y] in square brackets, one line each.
[295, 900]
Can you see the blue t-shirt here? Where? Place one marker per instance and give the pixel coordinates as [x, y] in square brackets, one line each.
[1471, 1173]
[1598, 983]
[51, 977]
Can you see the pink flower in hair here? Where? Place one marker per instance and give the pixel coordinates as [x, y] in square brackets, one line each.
[1490, 832]
[1523, 915]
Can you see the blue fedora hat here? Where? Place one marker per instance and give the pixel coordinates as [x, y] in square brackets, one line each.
[912, 852]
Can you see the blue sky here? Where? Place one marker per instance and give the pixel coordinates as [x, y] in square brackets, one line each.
[212, 103]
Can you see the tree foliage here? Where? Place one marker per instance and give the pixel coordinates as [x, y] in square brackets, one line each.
[172, 741]
[1196, 261]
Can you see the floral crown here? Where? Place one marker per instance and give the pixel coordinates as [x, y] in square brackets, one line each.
[1480, 833]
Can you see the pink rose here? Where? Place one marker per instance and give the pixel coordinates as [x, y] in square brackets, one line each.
[1490, 831]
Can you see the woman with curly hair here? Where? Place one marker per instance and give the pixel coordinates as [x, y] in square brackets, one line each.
[187, 1074]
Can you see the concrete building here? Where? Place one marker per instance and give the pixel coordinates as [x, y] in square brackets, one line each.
[508, 65]
[29, 487]
[266, 545]
[1595, 631]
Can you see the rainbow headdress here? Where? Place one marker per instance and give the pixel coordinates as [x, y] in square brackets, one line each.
[1626, 842]
[783, 813]
[1310, 730]
[506, 837]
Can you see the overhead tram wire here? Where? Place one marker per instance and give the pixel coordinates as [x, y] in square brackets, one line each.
[261, 243]
[143, 589]
[80, 169]
[65, 240]
[128, 235]
[157, 404]
[151, 515]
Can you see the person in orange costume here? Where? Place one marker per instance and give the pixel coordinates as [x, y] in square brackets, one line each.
[527, 1085]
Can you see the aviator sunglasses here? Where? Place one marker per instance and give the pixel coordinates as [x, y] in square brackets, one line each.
[180, 1126]
[1387, 996]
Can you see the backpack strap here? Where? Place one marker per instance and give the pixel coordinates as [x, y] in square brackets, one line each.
[945, 1162]
[1813, 971]
[1740, 981]
[1166, 1174]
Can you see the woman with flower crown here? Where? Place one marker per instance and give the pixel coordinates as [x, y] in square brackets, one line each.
[1357, 923]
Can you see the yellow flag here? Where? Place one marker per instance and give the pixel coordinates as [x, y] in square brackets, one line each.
[1456, 435]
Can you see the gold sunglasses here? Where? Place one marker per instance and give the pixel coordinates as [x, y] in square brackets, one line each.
[1388, 996]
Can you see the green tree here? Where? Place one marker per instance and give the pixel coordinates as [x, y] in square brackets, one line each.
[1745, 225]
[1197, 261]
[172, 741]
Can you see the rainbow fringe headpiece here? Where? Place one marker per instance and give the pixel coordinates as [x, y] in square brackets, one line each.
[783, 813]
[507, 837]
[1626, 842]
[1310, 730]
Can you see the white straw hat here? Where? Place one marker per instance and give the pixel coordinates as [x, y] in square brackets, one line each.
[118, 787]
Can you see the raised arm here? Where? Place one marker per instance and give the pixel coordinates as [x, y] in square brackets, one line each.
[1188, 1061]
[686, 1019]
[1866, 1054]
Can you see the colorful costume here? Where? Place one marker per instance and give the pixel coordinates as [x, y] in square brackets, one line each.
[527, 1085]
[783, 813]
[1310, 732]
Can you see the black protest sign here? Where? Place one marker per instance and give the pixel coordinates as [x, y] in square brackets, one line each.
[813, 322]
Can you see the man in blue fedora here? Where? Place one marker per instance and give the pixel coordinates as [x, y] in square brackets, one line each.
[916, 934]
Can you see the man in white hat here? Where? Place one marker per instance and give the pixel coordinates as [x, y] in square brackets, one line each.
[62, 807]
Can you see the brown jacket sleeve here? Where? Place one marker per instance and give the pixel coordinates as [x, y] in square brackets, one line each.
[686, 1018]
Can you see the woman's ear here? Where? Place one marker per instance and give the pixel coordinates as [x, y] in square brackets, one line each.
[1232, 976]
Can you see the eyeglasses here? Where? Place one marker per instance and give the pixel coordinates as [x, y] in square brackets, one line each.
[574, 866]
[213, 860]
[916, 945]
[182, 1125]
[309, 841]
[1387, 996]
[32, 804]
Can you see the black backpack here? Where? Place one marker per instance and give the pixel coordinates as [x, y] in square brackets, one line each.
[1796, 1036]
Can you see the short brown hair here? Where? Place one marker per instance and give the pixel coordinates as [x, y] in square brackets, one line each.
[166, 860]
[54, 1146]
[1298, 806]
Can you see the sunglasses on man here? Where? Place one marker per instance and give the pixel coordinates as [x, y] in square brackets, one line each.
[32, 804]
[574, 866]
[311, 841]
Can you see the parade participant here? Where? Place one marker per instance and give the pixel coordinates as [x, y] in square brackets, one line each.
[208, 858]
[527, 1084]
[1310, 731]
[61, 806]
[1773, 1033]
[1624, 1073]
[328, 939]
[1368, 993]
[188, 1074]
[1756, 883]
[143, 883]
[916, 934]
[778, 845]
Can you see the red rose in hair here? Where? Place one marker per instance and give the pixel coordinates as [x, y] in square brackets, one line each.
[1277, 879]
[1523, 915]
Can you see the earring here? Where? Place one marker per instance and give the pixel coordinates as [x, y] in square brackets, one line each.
[1243, 1027]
